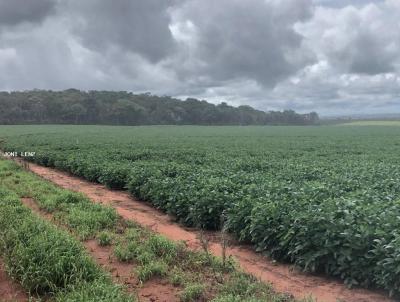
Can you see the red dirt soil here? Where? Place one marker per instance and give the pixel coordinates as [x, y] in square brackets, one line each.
[123, 273]
[9, 290]
[283, 277]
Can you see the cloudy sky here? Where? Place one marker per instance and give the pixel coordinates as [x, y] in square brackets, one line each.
[330, 56]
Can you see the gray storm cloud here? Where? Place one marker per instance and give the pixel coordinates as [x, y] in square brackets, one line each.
[13, 12]
[233, 39]
[324, 55]
[343, 3]
[135, 26]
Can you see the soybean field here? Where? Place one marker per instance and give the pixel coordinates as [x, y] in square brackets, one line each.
[326, 198]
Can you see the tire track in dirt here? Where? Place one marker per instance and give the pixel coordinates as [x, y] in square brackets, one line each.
[283, 277]
[154, 290]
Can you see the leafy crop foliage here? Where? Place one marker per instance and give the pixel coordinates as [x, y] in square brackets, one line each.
[324, 198]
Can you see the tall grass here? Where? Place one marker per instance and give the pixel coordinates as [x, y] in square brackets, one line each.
[46, 260]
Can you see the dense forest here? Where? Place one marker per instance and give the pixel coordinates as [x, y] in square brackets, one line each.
[124, 108]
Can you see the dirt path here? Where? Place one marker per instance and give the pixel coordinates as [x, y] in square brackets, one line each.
[283, 278]
[154, 290]
[9, 290]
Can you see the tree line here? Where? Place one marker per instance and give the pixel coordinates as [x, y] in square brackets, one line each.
[73, 106]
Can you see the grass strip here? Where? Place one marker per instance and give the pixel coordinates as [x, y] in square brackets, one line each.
[48, 261]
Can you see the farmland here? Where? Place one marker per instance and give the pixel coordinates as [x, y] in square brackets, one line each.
[324, 198]
[59, 246]
[372, 123]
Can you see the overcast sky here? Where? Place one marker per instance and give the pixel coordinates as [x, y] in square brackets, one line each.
[329, 56]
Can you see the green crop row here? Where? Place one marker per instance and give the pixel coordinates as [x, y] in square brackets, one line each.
[324, 198]
[48, 261]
